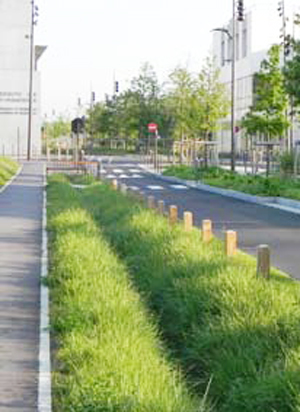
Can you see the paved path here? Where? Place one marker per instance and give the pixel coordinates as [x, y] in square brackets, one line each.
[255, 224]
[20, 251]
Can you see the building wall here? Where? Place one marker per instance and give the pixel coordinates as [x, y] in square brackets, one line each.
[15, 18]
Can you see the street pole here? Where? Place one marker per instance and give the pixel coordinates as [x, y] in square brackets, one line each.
[233, 43]
[30, 81]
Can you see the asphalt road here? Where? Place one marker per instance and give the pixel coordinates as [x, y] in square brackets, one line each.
[20, 258]
[255, 224]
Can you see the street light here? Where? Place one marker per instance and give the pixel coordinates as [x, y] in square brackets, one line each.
[232, 38]
[34, 14]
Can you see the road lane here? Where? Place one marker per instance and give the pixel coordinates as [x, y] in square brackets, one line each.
[255, 224]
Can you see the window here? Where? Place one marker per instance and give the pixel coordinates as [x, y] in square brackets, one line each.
[244, 43]
[237, 46]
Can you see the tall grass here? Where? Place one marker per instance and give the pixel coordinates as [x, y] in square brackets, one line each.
[221, 323]
[109, 356]
[8, 168]
[257, 185]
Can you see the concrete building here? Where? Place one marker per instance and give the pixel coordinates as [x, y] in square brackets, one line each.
[247, 63]
[254, 36]
[15, 24]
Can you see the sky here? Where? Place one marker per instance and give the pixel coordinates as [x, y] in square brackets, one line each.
[91, 43]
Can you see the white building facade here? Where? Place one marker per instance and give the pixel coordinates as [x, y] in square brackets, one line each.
[15, 24]
[247, 63]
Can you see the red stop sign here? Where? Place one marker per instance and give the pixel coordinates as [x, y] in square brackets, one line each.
[152, 127]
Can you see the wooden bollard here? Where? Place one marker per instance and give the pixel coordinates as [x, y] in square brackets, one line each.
[151, 202]
[173, 214]
[188, 221]
[114, 184]
[206, 231]
[123, 189]
[263, 261]
[231, 243]
[161, 207]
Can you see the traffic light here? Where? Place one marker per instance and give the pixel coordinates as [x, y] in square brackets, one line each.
[117, 87]
[240, 10]
[93, 96]
[280, 8]
[287, 45]
[78, 125]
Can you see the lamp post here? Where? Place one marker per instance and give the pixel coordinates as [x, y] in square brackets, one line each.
[231, 37]
[34, 13]
[239, 16]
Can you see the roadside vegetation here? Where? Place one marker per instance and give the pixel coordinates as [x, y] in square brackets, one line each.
[253, 184]
[236, 336]
[8, 169]
[108, 353]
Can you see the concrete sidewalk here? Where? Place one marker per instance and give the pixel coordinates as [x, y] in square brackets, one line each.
[20, 264]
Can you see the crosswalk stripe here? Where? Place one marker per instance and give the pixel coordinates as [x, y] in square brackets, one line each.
[179, 187]
[123, 176]
[153, 187]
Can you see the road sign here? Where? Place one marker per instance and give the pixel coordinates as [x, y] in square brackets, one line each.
[152, 127]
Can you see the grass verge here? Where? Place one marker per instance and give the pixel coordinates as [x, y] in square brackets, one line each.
[255, 185]
[8, 169]
[220, 322]
[109, 356]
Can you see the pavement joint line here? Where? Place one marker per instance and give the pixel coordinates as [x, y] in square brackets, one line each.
[44, 382]
[11, 180]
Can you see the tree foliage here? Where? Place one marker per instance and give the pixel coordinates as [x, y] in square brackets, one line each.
[267, 114]
[190, 107]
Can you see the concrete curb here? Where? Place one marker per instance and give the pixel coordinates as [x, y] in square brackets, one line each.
[44, 384]
[11, 180]
[288, 205]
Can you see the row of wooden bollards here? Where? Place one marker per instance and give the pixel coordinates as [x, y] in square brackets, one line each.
[231, 239]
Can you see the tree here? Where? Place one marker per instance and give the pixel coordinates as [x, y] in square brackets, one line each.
[181, 100]
[291, 73]
[58, 128]
[267, 114]
[212, 98]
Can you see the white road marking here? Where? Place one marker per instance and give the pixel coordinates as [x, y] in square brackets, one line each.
[179, 187]
[135, 188]
[117, 171]
[111, 176]
[136, 176]
[44, 381]
[134, 171]
[152, 187]
[123, 176]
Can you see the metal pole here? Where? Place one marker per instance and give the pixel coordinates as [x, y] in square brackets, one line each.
[30, 82]
[18, 144]
[233, 43]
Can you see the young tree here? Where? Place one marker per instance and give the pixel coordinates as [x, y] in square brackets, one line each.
[267, 114]
[291, 73]
[212, 99]
[181, 101]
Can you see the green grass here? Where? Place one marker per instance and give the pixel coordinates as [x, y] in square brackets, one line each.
[109, 356]
[256, 185]
[231, 332]
[8, 169]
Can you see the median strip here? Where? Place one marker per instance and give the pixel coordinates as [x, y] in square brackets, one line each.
[108, 355]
